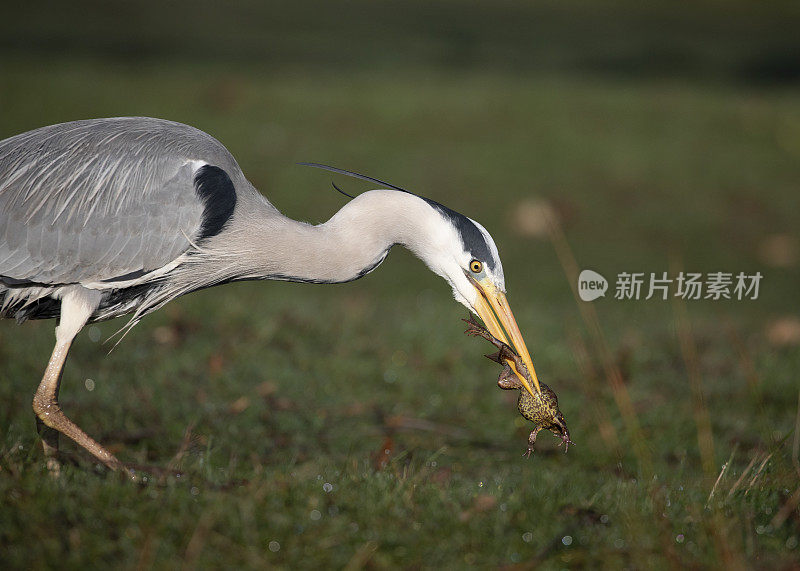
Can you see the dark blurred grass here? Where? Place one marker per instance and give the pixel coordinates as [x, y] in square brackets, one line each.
[661, 136]
[738, 40]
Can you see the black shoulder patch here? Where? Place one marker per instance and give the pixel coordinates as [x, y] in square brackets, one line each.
[215, 189]
[474, 240]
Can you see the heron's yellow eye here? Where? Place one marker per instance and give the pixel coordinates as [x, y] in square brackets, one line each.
[475, 266]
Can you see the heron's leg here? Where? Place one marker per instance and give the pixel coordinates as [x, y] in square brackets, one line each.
[77, 305]
[50, 436]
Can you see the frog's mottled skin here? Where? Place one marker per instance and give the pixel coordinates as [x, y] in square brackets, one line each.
[541, 408]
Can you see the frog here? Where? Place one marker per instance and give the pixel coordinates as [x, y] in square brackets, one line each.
[541, 408]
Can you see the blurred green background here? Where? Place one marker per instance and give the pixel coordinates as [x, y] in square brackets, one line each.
[660, 137]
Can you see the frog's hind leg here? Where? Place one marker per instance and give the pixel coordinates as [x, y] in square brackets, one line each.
[505, 354]
[531, 442]
[508, 379]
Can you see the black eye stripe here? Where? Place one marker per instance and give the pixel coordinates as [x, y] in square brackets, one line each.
[472, 238]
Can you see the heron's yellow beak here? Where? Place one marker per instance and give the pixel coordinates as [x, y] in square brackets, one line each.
[492, 307]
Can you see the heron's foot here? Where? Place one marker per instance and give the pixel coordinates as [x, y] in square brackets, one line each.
[49, 447]
[51, 459]
[53, 466]
[53, 421]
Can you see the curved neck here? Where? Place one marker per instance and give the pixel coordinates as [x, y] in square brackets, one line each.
[346, 247]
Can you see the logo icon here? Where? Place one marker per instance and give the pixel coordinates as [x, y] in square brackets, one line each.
[591, 285]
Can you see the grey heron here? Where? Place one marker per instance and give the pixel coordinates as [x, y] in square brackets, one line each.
[105, 217]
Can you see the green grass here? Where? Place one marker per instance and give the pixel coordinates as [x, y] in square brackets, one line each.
[276, 400]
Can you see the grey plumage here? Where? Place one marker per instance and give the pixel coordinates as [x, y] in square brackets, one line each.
[102, 180]
[98, 200]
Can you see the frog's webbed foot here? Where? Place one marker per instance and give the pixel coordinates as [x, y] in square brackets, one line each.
[531, 442]
[504, 353]
[560, 430]
[477, 330]
[565, 441]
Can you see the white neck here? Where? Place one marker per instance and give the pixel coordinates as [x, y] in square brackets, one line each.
[352, 243]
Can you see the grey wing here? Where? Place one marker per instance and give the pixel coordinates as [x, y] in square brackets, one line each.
[98, 200]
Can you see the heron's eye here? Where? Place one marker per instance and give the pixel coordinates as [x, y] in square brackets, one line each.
[475, 266]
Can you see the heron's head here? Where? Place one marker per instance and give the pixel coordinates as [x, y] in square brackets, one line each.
[465, 255]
